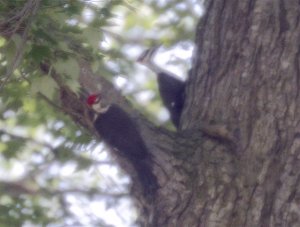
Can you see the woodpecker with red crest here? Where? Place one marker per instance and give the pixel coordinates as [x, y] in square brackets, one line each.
[171, 88]
[117, 129]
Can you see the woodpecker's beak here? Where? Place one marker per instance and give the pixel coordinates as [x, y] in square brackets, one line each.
[98, 100]
[147, 56]
[142, 57]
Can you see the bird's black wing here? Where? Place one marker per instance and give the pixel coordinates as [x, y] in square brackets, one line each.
[120, 131]
[172, 94]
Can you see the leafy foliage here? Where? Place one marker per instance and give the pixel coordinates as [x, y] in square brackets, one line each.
[44, 156]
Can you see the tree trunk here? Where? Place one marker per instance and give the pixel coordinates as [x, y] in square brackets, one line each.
[245, 79]
[234, 160]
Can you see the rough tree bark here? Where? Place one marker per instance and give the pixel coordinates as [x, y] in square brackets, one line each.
[245, 82]
[245, 76]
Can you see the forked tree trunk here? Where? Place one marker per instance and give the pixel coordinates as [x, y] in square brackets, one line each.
[245, 77]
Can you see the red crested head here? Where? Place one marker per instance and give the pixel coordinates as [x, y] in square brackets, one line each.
[93, 99]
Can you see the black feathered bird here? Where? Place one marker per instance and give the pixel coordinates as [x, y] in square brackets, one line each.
[118, 130]
[171, 88]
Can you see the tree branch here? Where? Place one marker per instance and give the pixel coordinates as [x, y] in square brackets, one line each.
[28, 11]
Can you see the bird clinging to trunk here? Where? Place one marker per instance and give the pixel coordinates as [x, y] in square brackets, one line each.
[171, 88]
[117, 129]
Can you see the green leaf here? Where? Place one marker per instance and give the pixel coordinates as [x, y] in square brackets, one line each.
[69, 67]
[39, 52]
[73, 85]
[74, 8]
[29, 105]
[63, 46]
[83, 163]
[44, 85]
[64, 154]
[93, 36]
[12, 148]
[45, 36]
[2, 41]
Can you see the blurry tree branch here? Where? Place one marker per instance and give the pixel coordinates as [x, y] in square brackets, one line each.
[10, 27]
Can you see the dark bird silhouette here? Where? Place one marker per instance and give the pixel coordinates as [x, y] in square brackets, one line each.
[171, 88]
[118, 130]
